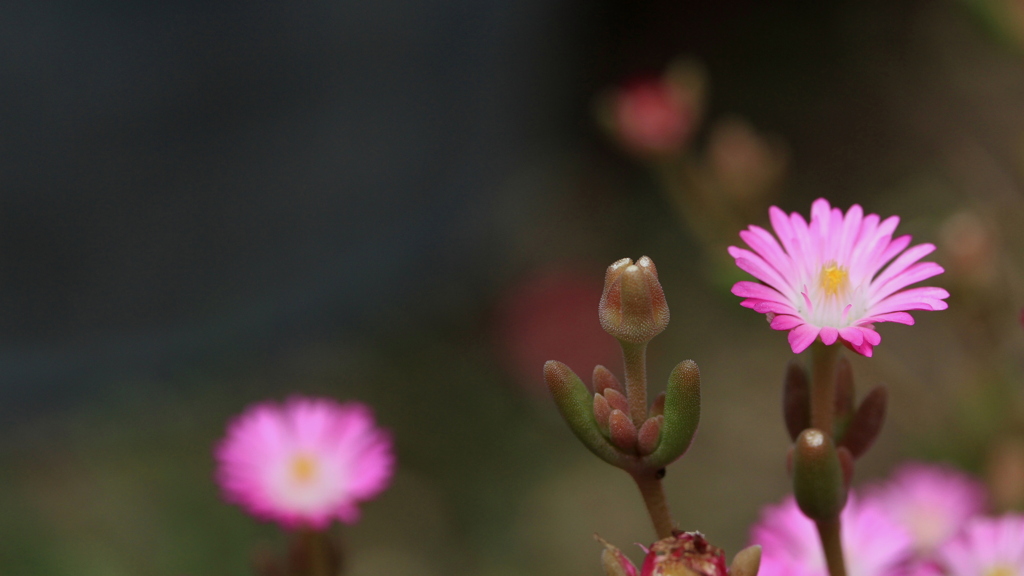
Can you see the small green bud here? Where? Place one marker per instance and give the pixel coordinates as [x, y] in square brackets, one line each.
[818, 482]
[682, 414]
[576, 406]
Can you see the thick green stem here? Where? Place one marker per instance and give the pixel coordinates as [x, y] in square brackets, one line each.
[317, 555]
[831, 543]
[823, 406]
[654, 498]
[634, 357]
[823, 386]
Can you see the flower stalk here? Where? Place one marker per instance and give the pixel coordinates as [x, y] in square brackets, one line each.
[622, 429]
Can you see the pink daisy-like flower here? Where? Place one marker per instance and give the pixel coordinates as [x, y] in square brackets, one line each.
[931, 501]
[304, 463]
[826, 279]
[874, 545]
[986, 547]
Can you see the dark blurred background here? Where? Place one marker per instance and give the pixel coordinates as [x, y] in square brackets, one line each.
[410, 204]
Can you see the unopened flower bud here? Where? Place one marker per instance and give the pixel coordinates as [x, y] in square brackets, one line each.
[633, 307]
[649, 435]
[603, 379]
[818, 480]
[622, 431]
[681, 414]
[866, 422]
[576, 405]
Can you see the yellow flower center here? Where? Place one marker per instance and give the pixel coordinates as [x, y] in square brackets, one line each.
[1000, 570]
[304, 468]
[833, 279]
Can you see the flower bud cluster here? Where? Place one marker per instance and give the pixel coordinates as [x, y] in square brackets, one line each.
[611, 419]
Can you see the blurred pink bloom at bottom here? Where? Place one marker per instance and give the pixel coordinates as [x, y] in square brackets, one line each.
[986, 547]
[304, 463]
[931, 501]
[873, 544]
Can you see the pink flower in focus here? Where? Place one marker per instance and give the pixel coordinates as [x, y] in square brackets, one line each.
[986, 547]
[826, 278]
[304, 463]
[873, 544]
[931, 501]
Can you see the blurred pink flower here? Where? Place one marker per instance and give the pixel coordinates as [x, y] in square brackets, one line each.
[826, 279]
[304, 463]
[873, 544]
[986, 547]
[654, 116]
[931, 501]
[552, 314]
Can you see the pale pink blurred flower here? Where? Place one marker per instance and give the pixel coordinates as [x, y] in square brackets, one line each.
[986, 547]
[549, 314]
[304, 463]
[873, 544]
[653, 116]
[931, 501]
[826, 279]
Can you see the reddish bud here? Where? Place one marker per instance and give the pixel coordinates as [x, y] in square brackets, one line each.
[649, 435]
[604, 379]
[633, 307]
[866, 422]
[602, 410]
[622, 431]
[658, 406]
[616, 400]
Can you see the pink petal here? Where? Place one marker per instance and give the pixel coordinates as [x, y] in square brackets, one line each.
[768, 248]
[900, 317]
[902, 263]
[914, 274]
[829, 335]
[765, 306]
[852, 335]
[786, 322]
[802, 336]
[748, 289]
[758, 268]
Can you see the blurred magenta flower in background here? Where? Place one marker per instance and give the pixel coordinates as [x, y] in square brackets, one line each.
[931, 501]
[552, 314]
[875, 544]
[304, 463]
[826, 278]
[986, 547]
